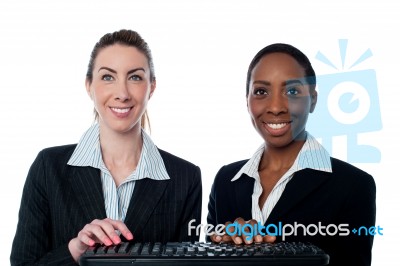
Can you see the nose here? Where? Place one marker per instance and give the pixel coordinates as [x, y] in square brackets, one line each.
[122, 92]
[278, 104]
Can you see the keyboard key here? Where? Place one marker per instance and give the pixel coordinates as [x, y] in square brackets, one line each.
[92, 250]
[124, 248]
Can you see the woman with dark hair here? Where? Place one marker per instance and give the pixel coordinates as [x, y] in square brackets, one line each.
[291, 182]
[115, 184]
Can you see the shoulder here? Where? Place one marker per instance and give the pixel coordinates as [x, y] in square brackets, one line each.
[227, 172]
[173, 159]
[50, 163]
[175, 163]
[350, 173]
[57, 151]
[57, 154]
[346, 169]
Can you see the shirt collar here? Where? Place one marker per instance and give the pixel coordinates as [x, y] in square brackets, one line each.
[312, 155]
[88, 153]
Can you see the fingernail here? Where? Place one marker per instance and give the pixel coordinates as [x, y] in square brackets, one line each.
[116, 239]
[218, 238]
[108, 242]
[91, 242]
[238, 240]
[130, 236]
[258, 239]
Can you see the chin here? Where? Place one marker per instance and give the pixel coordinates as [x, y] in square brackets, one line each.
[278, 141]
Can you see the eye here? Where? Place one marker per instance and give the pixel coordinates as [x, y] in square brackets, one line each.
[292, 91]
[135, 78]
[107, 78]
[260, 91]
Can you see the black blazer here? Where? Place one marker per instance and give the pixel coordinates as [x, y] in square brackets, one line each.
[345, 196]
[59, 200]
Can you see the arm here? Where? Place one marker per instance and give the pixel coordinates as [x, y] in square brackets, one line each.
[212, 213]
[359, 210]
[31, 244]
[35, 242]
[192, 209]
[212, 206]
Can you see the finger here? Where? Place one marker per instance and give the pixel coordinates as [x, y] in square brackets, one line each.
[85, 240]
[240, 220]
[229, 230]
[248, 231]
[121, 227]
[76, 248]
[252, 222]
[226, 238]
[244, 233]
[237, 240]
[241, 238]
[231, 236]
[216, 238]
[269, 239]
[103, 231]
[258, 239]
[258, 235]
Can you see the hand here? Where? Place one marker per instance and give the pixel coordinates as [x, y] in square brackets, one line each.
[247, 235]
[98, 231]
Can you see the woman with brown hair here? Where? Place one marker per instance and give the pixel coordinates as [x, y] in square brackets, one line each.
[115, 184]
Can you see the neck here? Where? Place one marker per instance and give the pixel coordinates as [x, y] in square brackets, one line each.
[278, 158]
[121, 149]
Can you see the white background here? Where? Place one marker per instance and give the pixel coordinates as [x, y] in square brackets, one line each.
[201, 53]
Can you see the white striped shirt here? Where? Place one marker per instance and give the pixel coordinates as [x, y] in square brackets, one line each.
[312, 155]
[117, 199]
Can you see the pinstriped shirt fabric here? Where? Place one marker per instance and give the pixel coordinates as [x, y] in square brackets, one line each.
[117, 199]
[58, 200]
[312, 155]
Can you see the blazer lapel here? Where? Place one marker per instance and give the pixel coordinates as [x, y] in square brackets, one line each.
[301, 185]
[86, 183]
[243, 192]
[146, 195]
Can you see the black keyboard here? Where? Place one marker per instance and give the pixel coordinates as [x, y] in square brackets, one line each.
[199, 253]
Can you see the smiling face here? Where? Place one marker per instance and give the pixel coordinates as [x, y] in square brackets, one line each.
[279, 99]
[120, 87]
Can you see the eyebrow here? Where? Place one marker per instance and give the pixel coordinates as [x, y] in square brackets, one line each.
[285, 83]
[263, 82]
[129, 72]
[294, 81]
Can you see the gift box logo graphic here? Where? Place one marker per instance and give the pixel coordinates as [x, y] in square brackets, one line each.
[348, 104]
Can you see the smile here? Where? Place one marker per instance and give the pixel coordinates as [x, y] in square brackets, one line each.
[121, 110]
[277, 129]
[276, 126]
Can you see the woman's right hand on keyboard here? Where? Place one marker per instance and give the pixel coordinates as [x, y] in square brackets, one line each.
[98, 231]
[243, 238]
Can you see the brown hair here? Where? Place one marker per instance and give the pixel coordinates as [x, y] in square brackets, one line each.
[128, 38]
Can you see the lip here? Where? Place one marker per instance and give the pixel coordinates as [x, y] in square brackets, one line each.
[277, 128]
[121, 112]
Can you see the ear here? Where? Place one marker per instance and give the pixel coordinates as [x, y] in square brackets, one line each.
[152, 88]
[314, 97]
[87, 85]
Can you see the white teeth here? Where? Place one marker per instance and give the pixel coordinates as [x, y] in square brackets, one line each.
[277, 126]
[120, 110]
